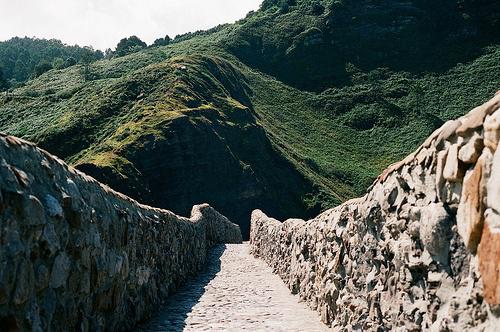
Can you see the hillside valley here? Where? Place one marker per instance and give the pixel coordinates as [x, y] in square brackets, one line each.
[293, 109]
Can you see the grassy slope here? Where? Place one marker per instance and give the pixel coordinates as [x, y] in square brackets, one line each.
[319, 131]
[340, 138]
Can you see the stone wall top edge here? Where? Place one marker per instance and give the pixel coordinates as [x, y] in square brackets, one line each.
[13, 141]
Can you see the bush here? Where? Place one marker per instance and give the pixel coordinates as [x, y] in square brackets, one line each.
[162, 41]
[42, 67]
[70, 61]
[58, 63]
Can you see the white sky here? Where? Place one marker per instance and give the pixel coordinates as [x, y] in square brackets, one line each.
[102, 23]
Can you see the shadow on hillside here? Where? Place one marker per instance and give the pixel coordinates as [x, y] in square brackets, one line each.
[172, 315]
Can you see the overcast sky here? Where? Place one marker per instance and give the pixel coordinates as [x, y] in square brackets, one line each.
[102, 23]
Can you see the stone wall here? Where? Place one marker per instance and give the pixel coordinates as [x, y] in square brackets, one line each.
[75, 255]
[420, 251]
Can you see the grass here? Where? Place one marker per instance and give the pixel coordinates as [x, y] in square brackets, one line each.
[344, 137]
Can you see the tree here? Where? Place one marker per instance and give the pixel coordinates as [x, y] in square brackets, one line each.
[88, 56]
[162, 41]
[4, 84]
[70, 61]
[98, 55]
[20, 56]
[58, 63]
[284, 5]
[266, 4]
[108, 53]
[129, 45]
[42, 67]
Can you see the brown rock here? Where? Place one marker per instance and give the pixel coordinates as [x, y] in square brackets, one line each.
[489, 261]
[471, 209]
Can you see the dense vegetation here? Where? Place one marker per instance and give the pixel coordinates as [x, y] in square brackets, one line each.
[292, 109]
[24, 58]
[309, 43]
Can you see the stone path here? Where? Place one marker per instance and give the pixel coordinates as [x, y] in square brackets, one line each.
[237, 292]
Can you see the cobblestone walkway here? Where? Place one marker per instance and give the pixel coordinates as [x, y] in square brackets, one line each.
[237, 292]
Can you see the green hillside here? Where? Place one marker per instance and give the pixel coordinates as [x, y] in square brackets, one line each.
[293, 109]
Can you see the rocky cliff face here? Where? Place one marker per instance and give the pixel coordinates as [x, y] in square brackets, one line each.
[206, 157]
[75, 255]
[420, 251]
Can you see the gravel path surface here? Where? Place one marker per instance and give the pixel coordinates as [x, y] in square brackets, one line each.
[237, 292]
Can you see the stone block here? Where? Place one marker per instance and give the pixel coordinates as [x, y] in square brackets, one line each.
[435, 231]
[470, 215]
[470, 152]
[489, 259]
[453, 169]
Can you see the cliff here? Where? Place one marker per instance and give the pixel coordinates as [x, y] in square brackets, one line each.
[419, 251]
[76, 255]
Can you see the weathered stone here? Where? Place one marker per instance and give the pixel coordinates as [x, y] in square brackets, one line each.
[440, 180]
[453, 170]
[470, 152]
[54, 209]
[492, 131]
[22, 177]
[8, 178]
[13, 245]
[34, 211]
[489, 259]
[451, 193]
[435, 232]
[473, 120]
[69, 261]
[74, 193]
[422, 155]
[493, 184]
[24, 282]
[447, 130]
[60, 271]
[406, 259]
[470, 215]
[48, 303]
[50, 239]
[41, 277]
[115, 264]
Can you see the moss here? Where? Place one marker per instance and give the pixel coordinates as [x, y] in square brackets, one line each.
[107, 159]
